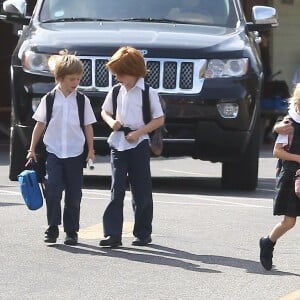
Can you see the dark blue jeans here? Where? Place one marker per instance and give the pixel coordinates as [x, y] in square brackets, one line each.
[64, 175]
[134, 163]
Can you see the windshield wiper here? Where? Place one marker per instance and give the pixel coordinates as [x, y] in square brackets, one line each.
[154, 20]
[163, 20]
[73, 19]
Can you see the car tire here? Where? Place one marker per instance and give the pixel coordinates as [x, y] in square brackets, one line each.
[243, 175]
[17, 153]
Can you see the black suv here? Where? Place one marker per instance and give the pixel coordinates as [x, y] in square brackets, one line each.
[202, 58]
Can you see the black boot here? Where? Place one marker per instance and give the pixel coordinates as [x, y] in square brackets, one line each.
[266, 252]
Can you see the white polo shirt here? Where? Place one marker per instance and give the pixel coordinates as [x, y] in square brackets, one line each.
[130, 113]
[64, 136]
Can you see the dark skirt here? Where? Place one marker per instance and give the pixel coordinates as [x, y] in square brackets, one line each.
[286, 202]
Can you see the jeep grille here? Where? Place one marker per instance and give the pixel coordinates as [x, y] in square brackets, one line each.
[166, 75]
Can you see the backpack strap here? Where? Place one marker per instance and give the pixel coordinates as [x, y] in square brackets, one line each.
[49, 106]
[80, 104]
[145, 105]
[115, 92]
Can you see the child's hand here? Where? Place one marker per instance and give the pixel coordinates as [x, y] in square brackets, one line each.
[132, 136]
[91, 155]
[30, 156]
[115, 125]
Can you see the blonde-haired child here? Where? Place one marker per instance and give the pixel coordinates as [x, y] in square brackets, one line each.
[64, 140]
[286, 202]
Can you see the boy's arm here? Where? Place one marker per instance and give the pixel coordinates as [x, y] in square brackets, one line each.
[89, 135]
[279, 152]
[115, 125]
[152, 125]
[36, 136]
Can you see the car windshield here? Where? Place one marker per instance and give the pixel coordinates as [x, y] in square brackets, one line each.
[207, 12]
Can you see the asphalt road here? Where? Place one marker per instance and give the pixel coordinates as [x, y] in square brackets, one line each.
[205, 241]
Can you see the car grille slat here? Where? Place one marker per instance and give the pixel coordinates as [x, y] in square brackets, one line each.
[169, 75]
[153, 73]
[164, 75]
[186, 75]
[101, 74]
[86, 79]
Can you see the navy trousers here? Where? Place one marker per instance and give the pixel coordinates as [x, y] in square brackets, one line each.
[64, 175]
[134, 163]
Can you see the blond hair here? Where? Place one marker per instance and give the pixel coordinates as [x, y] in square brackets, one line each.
[127, 61]
[295, 99]
[65, 64]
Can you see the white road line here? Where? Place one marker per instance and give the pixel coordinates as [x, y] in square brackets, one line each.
[201, 200]
[213, 200]
[222, 199]
[94, 192]
[224, 203]
[94, 198]
[218, 199]
[214, 197]
[266, 190]
[5, 192]
[184, 172]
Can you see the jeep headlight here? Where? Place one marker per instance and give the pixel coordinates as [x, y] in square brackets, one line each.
[220, 68]
[36, 63]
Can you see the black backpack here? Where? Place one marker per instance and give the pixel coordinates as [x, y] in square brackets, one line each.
[80, 104]
[145, 106]
[40, 165]
[156, 136]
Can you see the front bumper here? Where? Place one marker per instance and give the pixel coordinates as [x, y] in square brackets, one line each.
[194, 125]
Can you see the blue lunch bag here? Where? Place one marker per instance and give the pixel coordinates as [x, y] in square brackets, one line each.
[30, 189]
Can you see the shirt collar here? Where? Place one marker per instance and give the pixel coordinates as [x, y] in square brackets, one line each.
[57, 89]
[140, 83]
[294, 115]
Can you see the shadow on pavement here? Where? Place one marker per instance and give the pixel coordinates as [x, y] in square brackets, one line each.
[162, 255]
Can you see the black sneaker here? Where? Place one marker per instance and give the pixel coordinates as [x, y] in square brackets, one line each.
[51, 234]
[71, 239]
[266, 252]
[111, 241]
[142, 242]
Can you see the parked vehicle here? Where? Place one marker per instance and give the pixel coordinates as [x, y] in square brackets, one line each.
[274, 105]
[205, 64]
[275, 97]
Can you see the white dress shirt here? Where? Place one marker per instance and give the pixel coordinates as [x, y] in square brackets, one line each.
[64, 136]
[130, 114]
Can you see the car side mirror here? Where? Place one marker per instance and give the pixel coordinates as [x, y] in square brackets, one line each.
[264, 15]
[14, 11]
[16, 7]
[263, 18]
